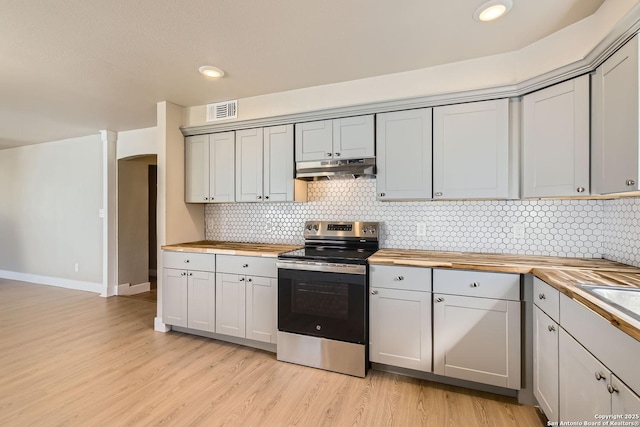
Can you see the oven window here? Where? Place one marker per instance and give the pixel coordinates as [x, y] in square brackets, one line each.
[321, 299]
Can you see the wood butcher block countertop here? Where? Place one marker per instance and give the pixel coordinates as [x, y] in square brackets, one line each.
[561, 273]
[232, 248]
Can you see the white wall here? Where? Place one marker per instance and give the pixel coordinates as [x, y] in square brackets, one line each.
[138, 142]
[561, 49]
[51, 194]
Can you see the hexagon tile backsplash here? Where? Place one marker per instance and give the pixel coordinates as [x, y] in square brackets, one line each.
[571, 228]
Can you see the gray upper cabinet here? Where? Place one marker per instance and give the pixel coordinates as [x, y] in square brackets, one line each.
[209, 168]
[556, 140]
[249, 165]
[347, 138]
[471, 153]
[404, 146]
[264, 166]
[615, 122]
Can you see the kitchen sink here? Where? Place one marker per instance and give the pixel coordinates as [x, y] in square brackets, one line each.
[624, 299]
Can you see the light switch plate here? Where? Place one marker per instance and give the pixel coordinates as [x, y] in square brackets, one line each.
[421, 229]
[518, 231]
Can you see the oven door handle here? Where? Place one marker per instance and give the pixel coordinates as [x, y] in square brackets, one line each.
[322, 267]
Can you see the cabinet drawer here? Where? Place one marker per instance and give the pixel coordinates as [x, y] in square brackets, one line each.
[189, 261]
[247, 265]
[547, 298]
[396, 277]
[477, 284]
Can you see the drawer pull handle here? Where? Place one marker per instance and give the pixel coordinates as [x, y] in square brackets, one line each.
[439, 299]
[245, 265]
[242, 279]
[612, 389]
[551, 328]
[600, 376]
[399, 278]
[541, 296]
[438, 194]
[374, 292]
[475, 284]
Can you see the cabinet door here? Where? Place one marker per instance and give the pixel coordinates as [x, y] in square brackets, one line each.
[353, 137]
[314, 141]
[556, 140]
[471, 150]
[583, 382]
[404, 148]
[196, 150]
[230, 304]
[201, 300]
[174, 297]
[261, 306]
[623, 399]
[400, 328]
[222, 173]
[249, 165]
[278, 166]
[545, 363]
[477, 339]
[615, 122]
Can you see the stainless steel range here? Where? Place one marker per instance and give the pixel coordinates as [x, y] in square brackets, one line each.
[323, 297]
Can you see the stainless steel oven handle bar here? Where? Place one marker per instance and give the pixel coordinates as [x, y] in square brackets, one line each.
[322, 267]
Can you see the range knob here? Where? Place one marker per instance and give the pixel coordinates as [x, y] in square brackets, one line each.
[315, 227]
[308, 227]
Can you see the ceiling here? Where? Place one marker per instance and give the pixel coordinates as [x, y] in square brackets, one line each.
[72, 67]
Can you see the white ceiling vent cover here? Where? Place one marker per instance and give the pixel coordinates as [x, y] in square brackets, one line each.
[222, 110]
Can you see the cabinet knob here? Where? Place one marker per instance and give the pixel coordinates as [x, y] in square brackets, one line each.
[241, 279]
[382, 194]
[186, 261]
[374, 292]
[631, 182]
[245, 265]
[259, 197]
[600, 376]
[551, 328]
[329, 154]
[399, 278]
[190, 274]
[438, 194]
[337, 154]
[439, 299]
[580, 189]
[211, 198]
[474, 284]
[206, 198]
[266, 197]
[184, 273]
[249, 280]
[612, 389]
[541, 296]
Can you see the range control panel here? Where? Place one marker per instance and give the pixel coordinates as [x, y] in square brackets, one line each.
[357, 229]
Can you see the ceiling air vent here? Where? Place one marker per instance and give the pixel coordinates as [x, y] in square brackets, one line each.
[222, 110]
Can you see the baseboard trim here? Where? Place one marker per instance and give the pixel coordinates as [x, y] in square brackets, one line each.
[128, 289]
[59, 282]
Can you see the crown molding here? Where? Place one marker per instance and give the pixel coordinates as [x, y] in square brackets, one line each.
[623, 31]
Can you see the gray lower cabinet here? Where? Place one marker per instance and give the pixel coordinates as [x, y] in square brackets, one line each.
[404, 155]
[246, 297]
[188, 290]
[476, 336]
[400, 317]
[546, 355]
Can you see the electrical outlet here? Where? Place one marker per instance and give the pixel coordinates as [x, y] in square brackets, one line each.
[268, 227]
[518, 231]
[76, 267]
[210, 224]
[101, 213]
[421, 229]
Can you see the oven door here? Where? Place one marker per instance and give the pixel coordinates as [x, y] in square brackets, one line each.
[323, 301]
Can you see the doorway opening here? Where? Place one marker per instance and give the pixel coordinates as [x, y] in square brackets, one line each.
[137, 241]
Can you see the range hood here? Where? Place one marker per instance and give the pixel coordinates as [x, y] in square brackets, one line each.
[336, 169]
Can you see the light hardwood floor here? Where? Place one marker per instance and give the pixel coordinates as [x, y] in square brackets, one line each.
[71, 358]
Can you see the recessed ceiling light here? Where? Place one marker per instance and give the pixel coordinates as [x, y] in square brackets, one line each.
[213, 72]
[491, 10]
